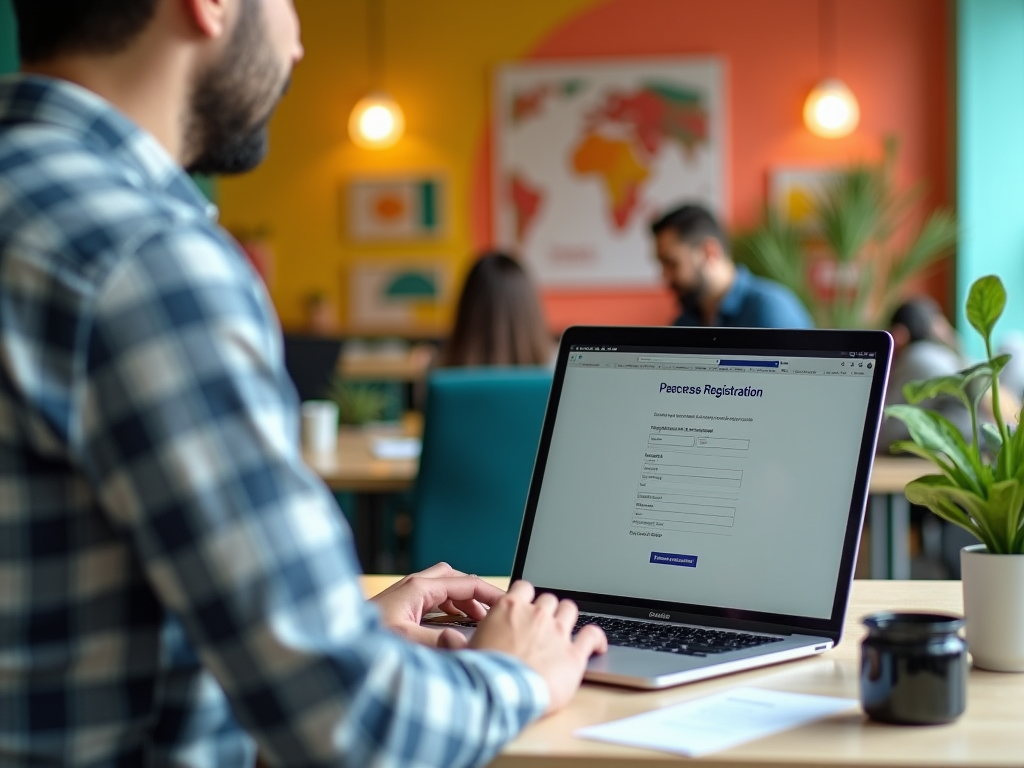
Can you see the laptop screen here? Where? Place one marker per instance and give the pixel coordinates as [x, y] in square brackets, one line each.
[721, 480]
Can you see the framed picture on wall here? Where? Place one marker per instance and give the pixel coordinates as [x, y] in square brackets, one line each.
[398, 295]
[793, 192]
[588, 153]
[394, 208]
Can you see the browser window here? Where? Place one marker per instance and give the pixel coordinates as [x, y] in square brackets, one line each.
[721, 481]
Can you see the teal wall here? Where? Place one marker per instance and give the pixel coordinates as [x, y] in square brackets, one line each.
[990, 162]
[8, 39]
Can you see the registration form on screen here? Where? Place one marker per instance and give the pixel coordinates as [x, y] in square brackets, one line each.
[721, 481]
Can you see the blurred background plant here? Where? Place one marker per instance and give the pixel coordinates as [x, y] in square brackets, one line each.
[362, 402]
[861, 231]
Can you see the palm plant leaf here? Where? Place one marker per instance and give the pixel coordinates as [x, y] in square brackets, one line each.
[850, 211]
[857, 215]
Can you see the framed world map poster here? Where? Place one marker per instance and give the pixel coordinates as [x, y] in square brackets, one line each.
[587, 154]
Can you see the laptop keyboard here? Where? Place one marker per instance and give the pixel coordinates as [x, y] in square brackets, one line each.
[672, 638]
[666, 638]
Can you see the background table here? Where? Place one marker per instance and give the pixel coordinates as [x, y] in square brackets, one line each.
[991, 733]
[889, 514]
[353, 467]
[400, 365]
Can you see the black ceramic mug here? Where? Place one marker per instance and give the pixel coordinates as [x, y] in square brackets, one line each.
[913, 668]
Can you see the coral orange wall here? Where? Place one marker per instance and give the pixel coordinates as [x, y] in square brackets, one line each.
[892, 53]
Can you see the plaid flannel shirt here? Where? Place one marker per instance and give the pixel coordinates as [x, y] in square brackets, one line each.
[171, 574]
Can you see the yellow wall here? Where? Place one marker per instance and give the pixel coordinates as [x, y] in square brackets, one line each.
[439, 55]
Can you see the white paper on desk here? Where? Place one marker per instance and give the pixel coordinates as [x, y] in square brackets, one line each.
[717, 722]
[396, 447]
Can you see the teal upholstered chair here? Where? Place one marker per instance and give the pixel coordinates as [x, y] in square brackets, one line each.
[480, 436]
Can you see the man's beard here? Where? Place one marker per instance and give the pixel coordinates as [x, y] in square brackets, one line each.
[233, 101]
[692, 297]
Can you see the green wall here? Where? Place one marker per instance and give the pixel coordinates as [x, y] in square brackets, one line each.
[990, 161]
[8, 39]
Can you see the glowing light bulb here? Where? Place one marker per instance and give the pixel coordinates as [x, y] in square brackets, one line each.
[831, 110]
[376, 122]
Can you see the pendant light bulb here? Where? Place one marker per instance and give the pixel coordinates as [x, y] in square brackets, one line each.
[376, 122]
[831, 110]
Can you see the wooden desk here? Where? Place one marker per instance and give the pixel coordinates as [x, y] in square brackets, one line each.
[353, 467]
[991, 732]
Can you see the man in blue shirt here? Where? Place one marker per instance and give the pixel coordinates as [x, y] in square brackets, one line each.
[176, 586]
[695, 263]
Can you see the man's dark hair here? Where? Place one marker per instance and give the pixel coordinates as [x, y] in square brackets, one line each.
[691, 224]
[48, 28]
[918, 316]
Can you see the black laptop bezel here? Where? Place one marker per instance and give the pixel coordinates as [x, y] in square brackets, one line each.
[721, 340]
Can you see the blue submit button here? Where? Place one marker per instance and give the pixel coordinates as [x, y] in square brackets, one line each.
[667, 558]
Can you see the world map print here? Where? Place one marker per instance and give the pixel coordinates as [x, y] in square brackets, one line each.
[587, 154]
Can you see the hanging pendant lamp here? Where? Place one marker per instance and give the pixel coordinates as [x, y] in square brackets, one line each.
[831, 110]
[377, 121]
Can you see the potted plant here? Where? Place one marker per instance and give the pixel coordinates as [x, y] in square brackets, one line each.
[980, 488]
[850, 259]
[359, 403]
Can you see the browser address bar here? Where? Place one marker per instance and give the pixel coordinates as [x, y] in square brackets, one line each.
[678, 360]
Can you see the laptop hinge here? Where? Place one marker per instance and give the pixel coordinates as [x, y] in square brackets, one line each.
[682, 617]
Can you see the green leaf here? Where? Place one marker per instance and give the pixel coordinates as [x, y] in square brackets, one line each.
[975, 507]
[1004, 513]
[955, 385]
[936, 237]
[936, 433]
[934, 492]
[1018, 544]
[939, 460]
[985, 304]
[992, 433]
[970, 382]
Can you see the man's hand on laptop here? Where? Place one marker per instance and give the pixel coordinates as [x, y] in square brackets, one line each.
[539, 632]
[438, 588]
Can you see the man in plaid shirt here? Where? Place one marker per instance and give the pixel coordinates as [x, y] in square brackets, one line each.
[175, 586]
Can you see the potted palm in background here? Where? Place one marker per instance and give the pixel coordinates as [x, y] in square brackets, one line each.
[980, 487]
[860, 230]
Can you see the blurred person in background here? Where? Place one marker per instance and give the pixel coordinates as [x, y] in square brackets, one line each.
[499, 320]
[696, 265]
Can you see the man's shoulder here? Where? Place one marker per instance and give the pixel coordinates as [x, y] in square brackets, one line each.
[65, 203]
[766, 289]
[775, 304]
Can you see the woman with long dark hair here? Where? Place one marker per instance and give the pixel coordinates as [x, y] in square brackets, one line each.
[499, 320]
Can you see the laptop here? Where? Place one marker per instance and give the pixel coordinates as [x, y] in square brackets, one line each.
[311, 362]
[699, 492]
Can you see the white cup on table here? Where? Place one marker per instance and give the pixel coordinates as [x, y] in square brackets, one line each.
[320, 426]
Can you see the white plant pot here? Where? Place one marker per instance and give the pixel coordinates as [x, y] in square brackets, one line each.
[994, 608]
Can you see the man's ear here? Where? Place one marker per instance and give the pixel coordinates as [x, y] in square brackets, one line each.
[712, 249]
[209, 17]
